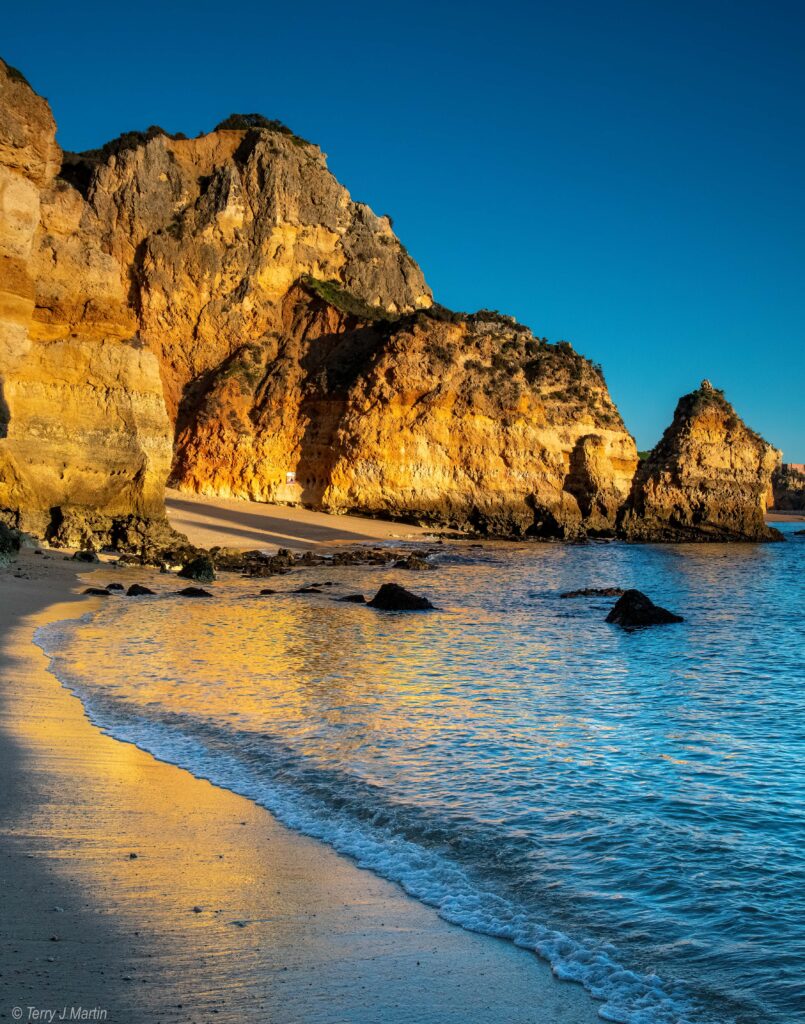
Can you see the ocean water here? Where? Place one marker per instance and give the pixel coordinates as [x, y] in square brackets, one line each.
[628, 806]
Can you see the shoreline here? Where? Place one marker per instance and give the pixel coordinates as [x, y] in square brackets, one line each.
[286, 929]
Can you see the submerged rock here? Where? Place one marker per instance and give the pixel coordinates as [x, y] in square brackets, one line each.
[352, 599]
[138, 590]
[413, 563]
[393, 598]
[201, 569]
[193, 592]
[635, 610]
[595, 592]
[114, 586]
[96, 591]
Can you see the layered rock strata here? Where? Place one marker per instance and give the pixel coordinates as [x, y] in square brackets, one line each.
[82, 415]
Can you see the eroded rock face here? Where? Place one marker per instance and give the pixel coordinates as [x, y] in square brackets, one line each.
[84, 425]
[707, 480]
[788, 488]
[212, 232]
[228, 288]
[463, 421]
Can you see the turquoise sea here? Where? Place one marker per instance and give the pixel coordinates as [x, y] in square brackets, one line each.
[629, 806]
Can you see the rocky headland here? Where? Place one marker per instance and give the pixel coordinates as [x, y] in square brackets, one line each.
[220, 312]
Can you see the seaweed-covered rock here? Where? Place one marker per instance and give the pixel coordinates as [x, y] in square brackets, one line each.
[201, 569]
[413, 563]
[393, 598]
[193, 592]
[138, 590]
[635, 610]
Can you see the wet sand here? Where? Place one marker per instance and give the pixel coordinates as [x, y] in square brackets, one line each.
[286, 930]
[250, 524]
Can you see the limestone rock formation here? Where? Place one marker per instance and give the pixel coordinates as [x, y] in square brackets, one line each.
[466, 421]
[226, 293]
[788, 488]
[708, 479]
[83, 426]
[212, 232]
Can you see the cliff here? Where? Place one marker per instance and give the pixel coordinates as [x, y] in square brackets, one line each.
[465, 421]
[788, 488]
[84, 426]
[708, 479]
[210, 234]
[220, 308]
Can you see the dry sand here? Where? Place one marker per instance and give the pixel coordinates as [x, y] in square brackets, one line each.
[287, 931]
[250, 524]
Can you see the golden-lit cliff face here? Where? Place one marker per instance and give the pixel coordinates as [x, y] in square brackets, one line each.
[709, 478]
[221, 305]
[84, 423]
[463, 421]
[212, 232]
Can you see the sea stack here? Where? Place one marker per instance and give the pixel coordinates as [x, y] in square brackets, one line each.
[708, 479]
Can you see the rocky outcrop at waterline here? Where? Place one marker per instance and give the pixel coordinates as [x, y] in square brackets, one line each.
[707, 480]
[788, 488]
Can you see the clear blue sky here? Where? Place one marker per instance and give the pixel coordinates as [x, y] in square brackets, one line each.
[626, 175]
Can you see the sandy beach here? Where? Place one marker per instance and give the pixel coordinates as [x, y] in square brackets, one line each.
[250, 524]
[132, 887]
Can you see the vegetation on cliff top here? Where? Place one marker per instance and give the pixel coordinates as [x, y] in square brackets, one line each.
[245, 122]
[15, 74]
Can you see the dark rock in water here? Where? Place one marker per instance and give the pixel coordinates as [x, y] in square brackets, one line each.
[96, 592]
[595, 592]
[634, 610]
[309, 558]
[201, 569]
[114, 586]
[307, 590]
[393, 598]
[413, 563]
[267, 590]
[86, 556]
[193, 592]
[136, 590]
[352, 599]
[799, 533]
